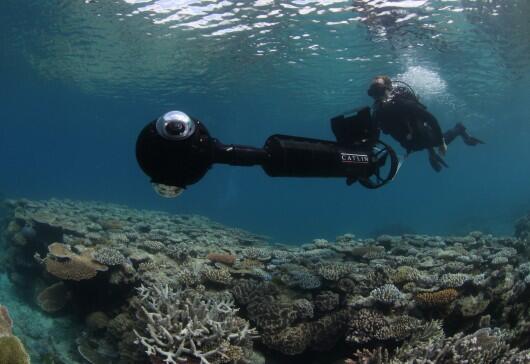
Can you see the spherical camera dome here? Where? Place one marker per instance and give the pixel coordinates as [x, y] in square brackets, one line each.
[175, 125]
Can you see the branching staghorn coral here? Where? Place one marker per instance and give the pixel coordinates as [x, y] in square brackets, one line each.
[485, 346]
[184, 324]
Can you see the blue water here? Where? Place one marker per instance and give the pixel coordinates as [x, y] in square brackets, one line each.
[80, 79]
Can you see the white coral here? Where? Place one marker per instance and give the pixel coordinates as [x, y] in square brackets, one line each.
[387, 294]
[181, 324]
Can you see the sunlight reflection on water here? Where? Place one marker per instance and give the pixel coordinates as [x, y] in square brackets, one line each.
[167, 47]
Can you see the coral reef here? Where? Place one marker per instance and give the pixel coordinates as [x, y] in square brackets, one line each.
[151, 287]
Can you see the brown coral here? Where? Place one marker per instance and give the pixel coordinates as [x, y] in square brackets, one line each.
[13, 228]
[290, 341]
[250, 263]
[97, 321]
[232, 353]
[247, 291]
[89, 352]
[326, 301]
[227, 259]
[53, 298]
[74, 269]
[366, 251]
[369, 326]
[438, 298]
[12, 351]
[319, 335]
[65, 264]
[366, 356]
[59, 250]
[220, 276]
[120, 324]
[404, 274]
[327, 330]
[19, 239]
[271, 314]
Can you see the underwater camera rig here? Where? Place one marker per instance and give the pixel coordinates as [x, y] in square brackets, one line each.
[177, 150]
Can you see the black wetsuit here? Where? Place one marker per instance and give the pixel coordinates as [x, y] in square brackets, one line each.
[407, 120]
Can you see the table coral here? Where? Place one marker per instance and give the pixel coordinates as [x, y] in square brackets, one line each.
[54, 298]
[65, 264]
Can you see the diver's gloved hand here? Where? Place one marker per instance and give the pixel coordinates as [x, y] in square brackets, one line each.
[436, 161]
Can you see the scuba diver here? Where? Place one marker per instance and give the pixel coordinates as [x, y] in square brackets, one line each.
[397, 111]
[176, 150]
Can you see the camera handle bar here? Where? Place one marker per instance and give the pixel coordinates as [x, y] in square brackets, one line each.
[177, 151]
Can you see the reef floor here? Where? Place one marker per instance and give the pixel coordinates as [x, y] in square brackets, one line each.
[89, 282]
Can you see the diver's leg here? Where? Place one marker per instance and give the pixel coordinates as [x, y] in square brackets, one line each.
[452, 133]
[460, 130]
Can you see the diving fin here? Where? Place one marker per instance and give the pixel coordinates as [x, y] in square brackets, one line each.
[471, 141]
[461, 130]
[436, 161]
